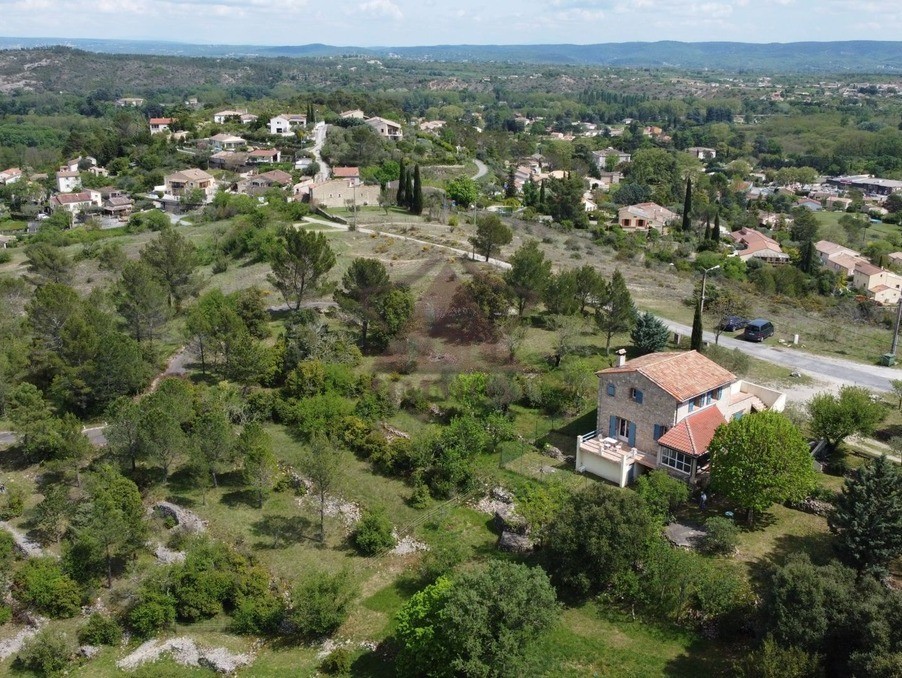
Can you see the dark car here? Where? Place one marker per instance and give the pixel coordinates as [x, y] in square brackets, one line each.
[731, 323]
[758, 330]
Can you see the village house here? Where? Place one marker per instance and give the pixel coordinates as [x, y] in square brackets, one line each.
[264, 156]
[350, 174]
[432, 125]
[810, 204]
[115, 203]
[645, 216]
[85, 162]
[895, 258]
[354, 114]
[387, 128]
[233, 161]
[879, 285]
[160, 125]
[184, 181]
[660, 411]
[68, 181]
[223, 117]
[601, 157]
[752, 244]
[342, 193]
[286, 124]
[10, 176]
[702, 152]
[134, 102]
[837, 258]
[75, 202]
[226, 142]
[257, 184]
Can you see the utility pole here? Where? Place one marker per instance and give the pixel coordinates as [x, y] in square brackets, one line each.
[892, 349]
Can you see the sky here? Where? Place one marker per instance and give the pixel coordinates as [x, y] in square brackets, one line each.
[367, 23]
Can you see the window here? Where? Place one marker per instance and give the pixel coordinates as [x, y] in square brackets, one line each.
[660, 430]
[612, 390]
[636, 395]
[623, 428]
[676, 460]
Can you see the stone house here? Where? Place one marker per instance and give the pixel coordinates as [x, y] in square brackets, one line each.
[387, 128]
[661, 411]
[644, 216]
[881, 286]
[184, 181]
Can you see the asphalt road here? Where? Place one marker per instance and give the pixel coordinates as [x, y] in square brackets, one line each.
[817, 366]
[481, 169]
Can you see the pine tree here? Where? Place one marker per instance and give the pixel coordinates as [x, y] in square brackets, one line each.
[687, 207]
[616, 312]
[510, 190]
[696, 342]
[650, 334]
[416, 203]
[401, 198]
[867, 519]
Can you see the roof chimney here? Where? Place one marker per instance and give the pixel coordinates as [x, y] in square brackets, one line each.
[621, 357]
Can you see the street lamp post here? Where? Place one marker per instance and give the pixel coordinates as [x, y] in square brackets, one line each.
[704, 282]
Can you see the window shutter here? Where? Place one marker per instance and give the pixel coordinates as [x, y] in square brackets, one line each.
[632, 435]
[691, 405]
[611, 389]
[612, 427]
[657, 431]
[720, 393]
[638, 396]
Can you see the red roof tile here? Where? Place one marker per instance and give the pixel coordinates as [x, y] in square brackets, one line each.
[693, 434]
[345, 172]
[682, 375]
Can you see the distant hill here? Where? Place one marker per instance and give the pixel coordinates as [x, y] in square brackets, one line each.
[860, 56]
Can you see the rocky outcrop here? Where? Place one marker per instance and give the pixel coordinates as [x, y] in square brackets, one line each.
[185, 519]
[186, 652]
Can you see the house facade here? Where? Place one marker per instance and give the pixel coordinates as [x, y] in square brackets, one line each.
[226, 142]
[752, 244]
[286, 124]
[702, 152]
[68, 181]
[10, 176]
[645, 216]
[160, 125]
[75, 202]
[387, 128]
[660, 411]
[601, 157]
[837, 258]
[185, 181]
[880, 285]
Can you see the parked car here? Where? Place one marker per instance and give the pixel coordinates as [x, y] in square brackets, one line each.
[758, 330]
[731, 323]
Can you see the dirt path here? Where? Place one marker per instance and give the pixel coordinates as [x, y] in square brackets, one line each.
[27, 547]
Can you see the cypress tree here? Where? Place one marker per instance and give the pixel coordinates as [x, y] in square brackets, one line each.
[687, 206]
[542, 196]
[401, 198]
[707, 227]
[416, 203]
[510, 191]
[695, 342]
[715, 232]
[408, 189]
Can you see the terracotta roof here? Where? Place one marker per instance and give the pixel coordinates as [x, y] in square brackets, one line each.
[161, 121]
[847, 261]
[867, 269]
[345, 172]
[71, 198]
[66, 173]
[829, 248]
[693, 434]
[264, 153]
[276, 176]
[192, 174]
[682, 375]
[879, 288]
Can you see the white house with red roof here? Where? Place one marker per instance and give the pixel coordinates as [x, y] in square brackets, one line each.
[76, 202]
[351, 174]
[160, 125]
[10, 176]
[660, 411]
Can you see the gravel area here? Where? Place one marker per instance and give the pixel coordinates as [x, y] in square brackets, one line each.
[11, 646]
[26, 547]
[408, 545]
[186, 652]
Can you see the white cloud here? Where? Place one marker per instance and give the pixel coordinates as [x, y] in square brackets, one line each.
[384, 8]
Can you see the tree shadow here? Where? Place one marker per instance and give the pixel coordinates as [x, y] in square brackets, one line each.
[378, 662]
[182, 480]
[701, 658]
[240, 497]
[282, 530]
[13, 459]
[819, 548]
[181, 500]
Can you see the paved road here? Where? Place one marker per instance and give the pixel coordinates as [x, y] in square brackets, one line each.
[319, 138]
[817, 366]
[481, 169]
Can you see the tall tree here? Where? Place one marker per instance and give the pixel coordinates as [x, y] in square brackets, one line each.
[715, 231]
[214, 439]
[299, 261]
[48, 264]
[123, 431]
[260, 464]
[760, 459]
[112, 517]
[687, 207]
[696, 342]
[491, 232]
[616, 312]
[836, 417]
[867, 518]
[510, 187]
[401, 197]
[141, 300]
[416, 202]
[363, 283]
[173, 258]
[722, 302]
[463, 191]
[590, 286]
[650, 334]
[324, 464]
[528, 275]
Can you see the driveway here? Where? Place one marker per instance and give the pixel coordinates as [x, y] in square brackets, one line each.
[481, 169]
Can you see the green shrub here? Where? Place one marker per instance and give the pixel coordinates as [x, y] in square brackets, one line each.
[42, 584]
[14, 503]
[337, 663]
[154, 612]
[258, 616]
[663, 494]
[721, 536]
[374, 533]
[6, 613]
[735, 361]
[321, 604]
[47, 654]
[5, 256]
[100, 630]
